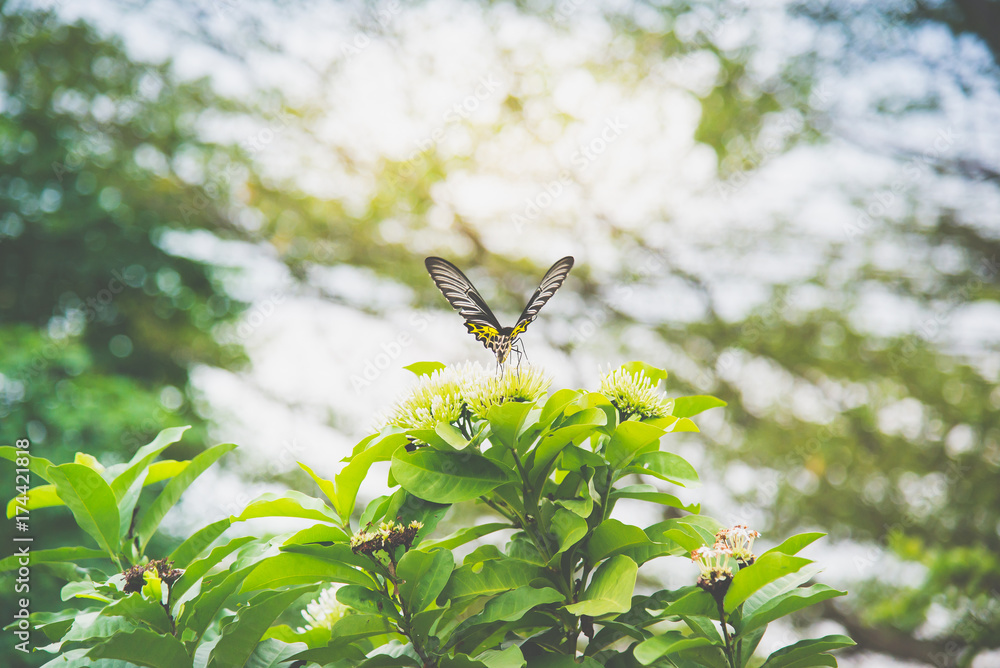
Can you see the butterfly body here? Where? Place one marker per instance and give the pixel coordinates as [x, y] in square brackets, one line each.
[479, 319]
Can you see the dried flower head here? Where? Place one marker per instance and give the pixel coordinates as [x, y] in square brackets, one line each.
[436, 398]
[483, 389]
[716, 574]
[324, 611]
[634, 394]
[739, 539]
[135, 577]
[386, 538]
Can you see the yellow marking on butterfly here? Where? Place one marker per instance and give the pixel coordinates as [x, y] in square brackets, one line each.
[482, 332]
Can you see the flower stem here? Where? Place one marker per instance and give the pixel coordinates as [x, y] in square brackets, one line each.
[725, 633]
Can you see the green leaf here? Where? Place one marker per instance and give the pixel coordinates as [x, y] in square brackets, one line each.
[424, 368]
[630, 438]
[775, 589]
[240, 637]
[506, 421]
[340, 554]
[513, 605]
[463, 536]
[691, 532]
[91, 501]
[543, 457]
[502, 658]
[406, 508]
[432, 438]
[348, 481]
[365, 600]
[685, 407]
[74, 658]
[195, 570]
[651, 494]
[444, 477]
[143, 648]
[704, 626]
[43, 496]
[55, 555]
[767, 568]
[591, 409]
[287, 504]
[289, 568]
[138, 609]
[340, 654]
[673, 424]
[452, 437]
[424, 575]
[355, 627]
[569, 529]
[665, 466]
[171, 494]
[326, 486]
[164, 470]
[271, 653]
[556, 404]
[695, 603]
[610, 589]
[612, 537]
[796, 543]
[488, 578]
[318, 533]
[671, 642]
[143, 456]
[786, 604]
[806, 649]
[37, 465]
[126, 505]
[199, 612]
[198, 542]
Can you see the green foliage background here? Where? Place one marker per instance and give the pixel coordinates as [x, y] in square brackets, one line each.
[88, 195]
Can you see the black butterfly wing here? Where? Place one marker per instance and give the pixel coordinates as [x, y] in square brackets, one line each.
[551, 282]
[464, 298]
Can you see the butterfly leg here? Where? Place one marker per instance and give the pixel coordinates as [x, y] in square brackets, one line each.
[521, 353]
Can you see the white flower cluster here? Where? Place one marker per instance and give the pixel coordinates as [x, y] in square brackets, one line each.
[483, 390]
[634, 394]
[442, 395]
[323, 611]
[436, 398]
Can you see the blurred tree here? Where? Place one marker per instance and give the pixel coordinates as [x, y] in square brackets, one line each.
[901, 461]
[99, 322]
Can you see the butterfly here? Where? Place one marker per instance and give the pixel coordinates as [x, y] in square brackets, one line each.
[479, 319]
